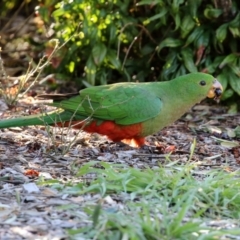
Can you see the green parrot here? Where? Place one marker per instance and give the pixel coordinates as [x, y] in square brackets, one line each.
[126, 112]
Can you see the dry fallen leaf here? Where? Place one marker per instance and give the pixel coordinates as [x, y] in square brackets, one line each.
[31, 187]
[31, 173]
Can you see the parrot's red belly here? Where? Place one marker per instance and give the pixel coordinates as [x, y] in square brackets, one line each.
[127, 134]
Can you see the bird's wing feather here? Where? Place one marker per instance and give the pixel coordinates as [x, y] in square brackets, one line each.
[124, 104]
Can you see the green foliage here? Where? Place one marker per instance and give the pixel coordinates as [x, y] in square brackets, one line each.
[162, 203]
[121, 40]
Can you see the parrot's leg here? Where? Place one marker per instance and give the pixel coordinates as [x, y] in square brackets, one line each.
[136, 142]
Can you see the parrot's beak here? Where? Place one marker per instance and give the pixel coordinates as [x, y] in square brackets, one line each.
[216, 90]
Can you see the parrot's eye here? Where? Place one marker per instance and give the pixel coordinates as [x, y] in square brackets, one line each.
[202, 83]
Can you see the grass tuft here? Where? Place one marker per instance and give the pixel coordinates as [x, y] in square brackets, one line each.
[163, 203]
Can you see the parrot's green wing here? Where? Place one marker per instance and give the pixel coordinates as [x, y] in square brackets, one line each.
[124, 105]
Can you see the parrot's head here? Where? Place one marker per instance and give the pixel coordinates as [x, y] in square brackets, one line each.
[205, 85]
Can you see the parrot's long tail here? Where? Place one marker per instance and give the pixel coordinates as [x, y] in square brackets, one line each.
[40, 119]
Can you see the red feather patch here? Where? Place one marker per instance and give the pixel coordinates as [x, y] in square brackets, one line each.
[127, 134]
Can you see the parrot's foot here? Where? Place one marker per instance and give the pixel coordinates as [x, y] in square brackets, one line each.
[134, 142]
[158, 148]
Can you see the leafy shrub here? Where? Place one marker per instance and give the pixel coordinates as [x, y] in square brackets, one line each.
[122, 40]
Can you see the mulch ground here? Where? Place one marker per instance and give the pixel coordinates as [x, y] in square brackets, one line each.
[29, 154]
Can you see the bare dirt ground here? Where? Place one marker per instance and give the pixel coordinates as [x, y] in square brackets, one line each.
[28, 155]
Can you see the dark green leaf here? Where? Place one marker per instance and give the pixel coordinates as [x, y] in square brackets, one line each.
[99, 52]
[90, 70]
[170, 66]
[203, 39]
[187, 55]
[127, 75]
[187, 24]
[235, 32]
[86, 84]
[233, 44]
[169, 42]
[59, 12]
[177, 20]
[159, 15]
[148, 2]
[235, 23]
[221, 32]
[175, 5]
[147, 49]
[181, 71]
[194, 35]
[223, 79]
[103, 77]
[113, 33]
[44, 12]
[235, 69]
[234, 83]
[212, 13]
[112, 58]
[227, 94]
[212, 67]
[228, 59]
[193, 7]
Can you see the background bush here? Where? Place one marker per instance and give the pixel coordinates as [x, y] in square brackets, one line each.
[148, 40]
[112, 41]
